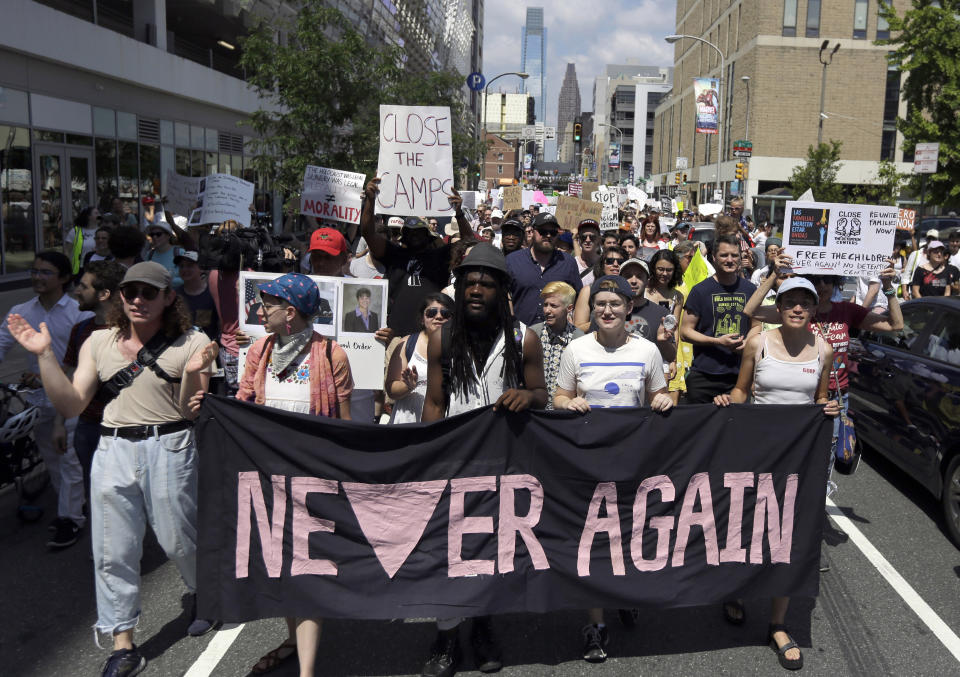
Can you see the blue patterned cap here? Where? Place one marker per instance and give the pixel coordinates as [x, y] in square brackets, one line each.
[296, 289]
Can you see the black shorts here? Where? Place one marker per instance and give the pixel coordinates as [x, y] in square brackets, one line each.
[702, 387]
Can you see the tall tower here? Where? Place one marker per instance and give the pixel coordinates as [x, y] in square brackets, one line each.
[533, 60]
[568, 110]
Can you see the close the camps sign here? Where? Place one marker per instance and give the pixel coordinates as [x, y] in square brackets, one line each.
[493, 513]
[416, 161]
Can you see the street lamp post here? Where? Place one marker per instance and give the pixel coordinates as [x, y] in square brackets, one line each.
[826, 61]
[619, 150]
[483, 158]
[674, 38]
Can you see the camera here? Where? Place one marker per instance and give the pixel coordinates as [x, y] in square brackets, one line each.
[255, 248]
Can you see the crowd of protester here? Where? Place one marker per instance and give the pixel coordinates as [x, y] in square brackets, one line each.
[128, 331]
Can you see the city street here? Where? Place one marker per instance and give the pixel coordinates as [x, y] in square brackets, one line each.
[864, 623]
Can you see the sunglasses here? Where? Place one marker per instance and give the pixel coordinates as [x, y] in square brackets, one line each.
[548, 232]
[610, 260]
[146, 291]
[442, 312]
[156, 233]
[589, 237]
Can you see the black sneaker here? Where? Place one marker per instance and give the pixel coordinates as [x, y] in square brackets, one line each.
[594, 640]
[444, 656]
[65, 534]
[124, 663]
[198, 626]
[54, 523]
[486, 651]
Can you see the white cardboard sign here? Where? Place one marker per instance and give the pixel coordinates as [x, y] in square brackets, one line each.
[181, 193]
[332, 194]
[223, 197]
[610, 199]
[416, 161]
[839, 239]
[338, 319]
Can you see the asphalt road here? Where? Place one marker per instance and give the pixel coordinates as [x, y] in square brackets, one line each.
[859, 625]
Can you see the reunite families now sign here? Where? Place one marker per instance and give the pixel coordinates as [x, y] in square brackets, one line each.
[489, 512]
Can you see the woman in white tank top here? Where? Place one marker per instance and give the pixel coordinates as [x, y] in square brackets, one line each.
[784, 366]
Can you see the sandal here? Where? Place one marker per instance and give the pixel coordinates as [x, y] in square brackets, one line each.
[734, 612]
[781, 651]
[272, 659]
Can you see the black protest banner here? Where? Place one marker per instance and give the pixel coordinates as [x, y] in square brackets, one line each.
[490, 512]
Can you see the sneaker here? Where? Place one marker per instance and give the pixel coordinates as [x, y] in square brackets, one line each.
[594, 640]
[486, 651]
[444, 656]
[55, 523]
[198, 626]
[124, 663]
[824, 565]
[65, 534]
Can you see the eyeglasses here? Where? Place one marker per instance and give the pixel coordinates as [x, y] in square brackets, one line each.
[610, 260]
[442, 312]
[612, 305]
[156, 233]
[42, 272]
[548, 232]
[146, 291]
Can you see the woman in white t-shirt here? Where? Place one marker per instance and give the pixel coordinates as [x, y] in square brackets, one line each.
[407, 373]
[609, 368]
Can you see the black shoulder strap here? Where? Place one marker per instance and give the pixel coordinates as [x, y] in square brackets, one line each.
[410, 346]
[146, 359]
[518, 335]
[445, 362]
[587, 271]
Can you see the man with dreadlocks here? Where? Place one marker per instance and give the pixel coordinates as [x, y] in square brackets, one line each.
[482, 356]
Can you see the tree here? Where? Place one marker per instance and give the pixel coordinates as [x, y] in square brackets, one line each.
[886, 187]
[321, 93]
[819, 173]
[927, 40]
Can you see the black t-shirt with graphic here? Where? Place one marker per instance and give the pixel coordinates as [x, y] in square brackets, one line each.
[719, 311]
[935, 284]
[412, 277]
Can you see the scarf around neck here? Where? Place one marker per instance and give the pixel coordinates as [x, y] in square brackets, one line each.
[284, 354]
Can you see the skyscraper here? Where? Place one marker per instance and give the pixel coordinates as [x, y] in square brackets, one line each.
[568, 109]
[533, 60]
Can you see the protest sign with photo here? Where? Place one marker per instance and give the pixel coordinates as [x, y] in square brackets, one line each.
[512, 197]
[354, 335]
[839, 239]
[416, 161]
[332, 194]
[181, 193]
[572, 210]
[223, 197]
[487, 513]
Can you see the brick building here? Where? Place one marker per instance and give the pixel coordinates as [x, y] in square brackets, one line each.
[772, 54]
[500, 164]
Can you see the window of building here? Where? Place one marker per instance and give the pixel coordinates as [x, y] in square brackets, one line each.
[127, 126]
[860, 19]
[499, 169]
[105, 161]
[883, 28]
[813, 18]
[14, 106]
[128, 163]
[16, 200]
[181, 134]
[500, 156]
[104, 122]
[888, 144]
[182, 162]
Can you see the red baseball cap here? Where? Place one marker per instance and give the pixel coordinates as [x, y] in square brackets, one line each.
[328, 240]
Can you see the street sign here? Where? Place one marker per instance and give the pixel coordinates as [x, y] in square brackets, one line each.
[681, 163]
[717, 196]
[681, 192]
[925, 157]
[550, 133]
[742, 148]
[528, 132]
[630, 174]
[476, 81]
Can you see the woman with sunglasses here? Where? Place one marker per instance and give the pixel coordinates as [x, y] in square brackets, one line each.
[608, 263]
[789, 364]
[295, 369]
[160, 239]
[407, 372]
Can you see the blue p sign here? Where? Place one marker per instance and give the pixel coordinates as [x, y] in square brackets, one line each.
[476, 81]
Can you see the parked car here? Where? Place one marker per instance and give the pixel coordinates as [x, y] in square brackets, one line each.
[702, 232]
[944, 225]
[905, 398]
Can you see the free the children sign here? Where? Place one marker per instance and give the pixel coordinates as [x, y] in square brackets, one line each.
[416, 161]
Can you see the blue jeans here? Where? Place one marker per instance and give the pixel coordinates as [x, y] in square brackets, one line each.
[133, 483]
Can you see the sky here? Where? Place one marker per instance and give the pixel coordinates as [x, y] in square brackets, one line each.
[588, 34]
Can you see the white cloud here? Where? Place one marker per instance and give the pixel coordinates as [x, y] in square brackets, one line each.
[590, 35]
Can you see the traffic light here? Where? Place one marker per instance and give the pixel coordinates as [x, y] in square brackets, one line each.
[676, 178]
[684, 177]
[577, 128]
[738, 172]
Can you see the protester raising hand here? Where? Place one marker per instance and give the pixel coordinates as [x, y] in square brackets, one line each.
[31, 339]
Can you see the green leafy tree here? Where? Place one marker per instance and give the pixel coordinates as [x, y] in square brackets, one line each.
[927, 48]
[321, 93]
[819, 173]
[886, 187]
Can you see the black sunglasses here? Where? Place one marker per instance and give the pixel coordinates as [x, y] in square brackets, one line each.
[146, 291]
[443, 312]
[548, 232]
[610, 260]
[156, 233]
[588, 237]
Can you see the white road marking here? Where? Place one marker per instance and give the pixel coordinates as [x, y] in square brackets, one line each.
[216, 649]
[930, 617]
